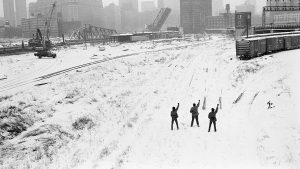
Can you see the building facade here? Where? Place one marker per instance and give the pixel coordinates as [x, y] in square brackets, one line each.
[193, 14]
[21, 11]
[283, 3]
[112, 17]
[9, 12]
[223, 21]
[283, 17]
[30, 25]
[129, 15]
[84, 11]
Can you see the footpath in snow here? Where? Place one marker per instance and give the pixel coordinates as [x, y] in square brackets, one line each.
[117, 114]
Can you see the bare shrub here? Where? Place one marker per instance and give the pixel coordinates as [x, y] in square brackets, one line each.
[82, 123]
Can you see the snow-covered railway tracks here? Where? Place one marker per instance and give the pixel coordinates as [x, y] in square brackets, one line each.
[38, 80]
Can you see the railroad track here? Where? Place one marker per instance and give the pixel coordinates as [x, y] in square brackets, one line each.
[36, 80]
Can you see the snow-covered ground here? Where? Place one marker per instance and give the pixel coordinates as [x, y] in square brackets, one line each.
[117, 114]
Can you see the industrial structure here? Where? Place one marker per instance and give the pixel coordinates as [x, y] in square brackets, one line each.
[159, 20]
[29, 26]
[222, 22]
[193, 14]
[83, 11]
[281, 12]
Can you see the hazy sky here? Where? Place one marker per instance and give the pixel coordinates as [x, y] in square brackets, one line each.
[260, 3]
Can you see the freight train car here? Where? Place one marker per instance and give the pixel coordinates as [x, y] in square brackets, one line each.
[258, 45]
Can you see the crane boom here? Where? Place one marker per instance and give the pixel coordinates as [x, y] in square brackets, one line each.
[159, 20]
[47, 25]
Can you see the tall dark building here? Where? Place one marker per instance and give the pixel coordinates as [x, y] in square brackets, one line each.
[193, 14]
[129, 15]
[9, 12]
[21, 11]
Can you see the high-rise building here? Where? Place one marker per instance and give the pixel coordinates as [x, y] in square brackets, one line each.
[112, 17]
[283, 17]
[193, 14]
[21, 11]
[9, 12]
[283, 2]
[147, 6]
[129, 15]
[85, 11]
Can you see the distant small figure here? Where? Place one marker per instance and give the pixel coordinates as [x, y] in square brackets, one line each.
[195, 113]
[270, 105]
[174, 116]
[212, 118]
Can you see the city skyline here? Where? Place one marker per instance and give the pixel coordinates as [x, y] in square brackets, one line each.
[107, 2]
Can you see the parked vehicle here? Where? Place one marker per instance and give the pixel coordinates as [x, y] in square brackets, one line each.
[44, 53]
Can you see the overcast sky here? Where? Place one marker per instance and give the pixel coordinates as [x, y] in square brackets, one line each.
[260, 3]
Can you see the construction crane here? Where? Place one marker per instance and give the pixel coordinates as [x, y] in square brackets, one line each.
[46, 37]
[159, 20]
[39, 39]
[44, 51]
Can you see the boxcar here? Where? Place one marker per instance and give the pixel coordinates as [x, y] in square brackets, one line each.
[254, 48]
[288, 42]
[262, 47]
[295, 42]
[272, 44]
[298, 37]
[280, 44]
[243, 48]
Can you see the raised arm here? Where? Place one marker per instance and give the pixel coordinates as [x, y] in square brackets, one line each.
[217, 108]
[198, 103]
[177, 107]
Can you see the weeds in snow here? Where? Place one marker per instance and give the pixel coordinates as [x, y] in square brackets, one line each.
[82, 123]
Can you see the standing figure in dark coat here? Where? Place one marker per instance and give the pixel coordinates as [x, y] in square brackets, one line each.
[212, 118]
[195, 113]
[174, 116]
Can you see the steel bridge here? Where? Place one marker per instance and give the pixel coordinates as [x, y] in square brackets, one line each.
[90, 33]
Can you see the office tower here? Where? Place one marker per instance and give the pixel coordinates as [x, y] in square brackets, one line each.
[9, 12]
[193, 14]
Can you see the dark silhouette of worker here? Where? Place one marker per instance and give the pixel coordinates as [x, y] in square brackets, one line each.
[212, 118]
[174, 116]
[270, 105]
[195, 113]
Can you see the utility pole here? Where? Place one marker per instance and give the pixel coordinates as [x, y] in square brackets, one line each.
[248, 17]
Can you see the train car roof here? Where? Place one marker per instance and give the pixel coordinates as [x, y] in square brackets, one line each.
[271, 35]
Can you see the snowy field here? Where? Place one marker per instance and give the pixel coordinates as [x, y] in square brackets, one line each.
[116, 114]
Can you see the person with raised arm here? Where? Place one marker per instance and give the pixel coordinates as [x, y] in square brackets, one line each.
[195, 113]
[174, 116]
[212, 118]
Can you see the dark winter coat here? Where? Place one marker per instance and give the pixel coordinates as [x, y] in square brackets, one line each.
[194, 110]
[174, 114]
[212, 115]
